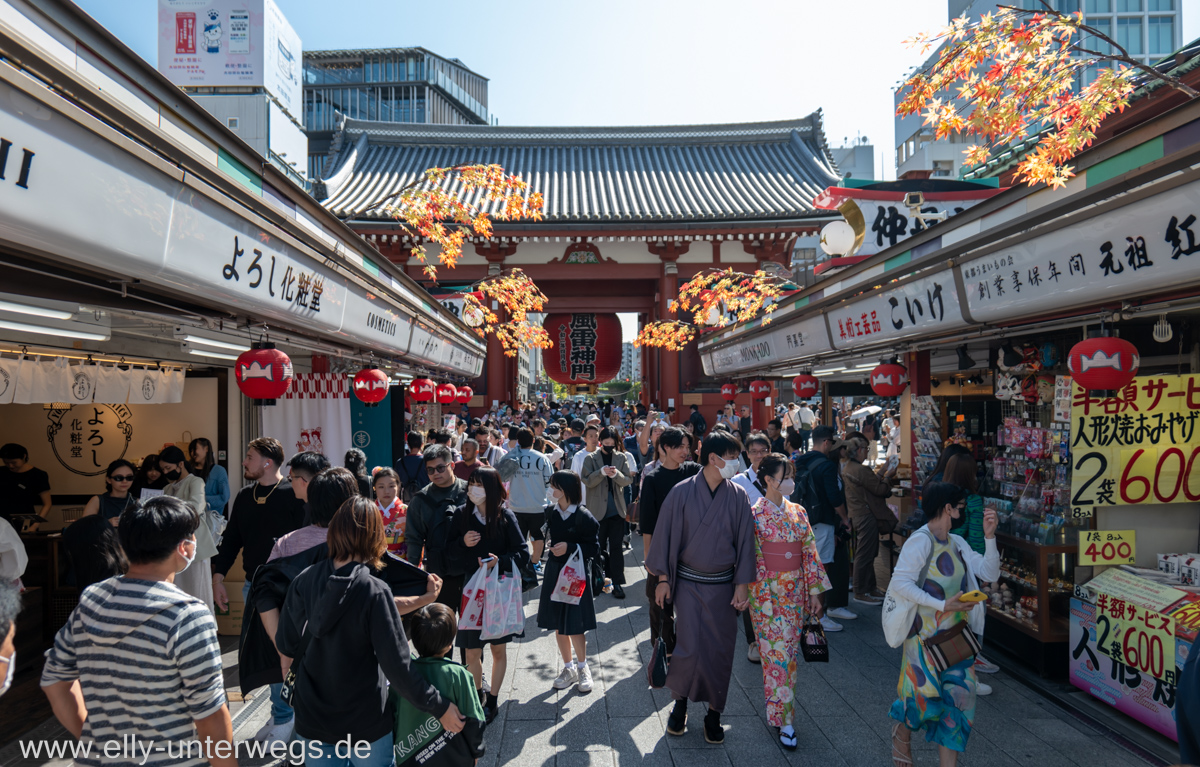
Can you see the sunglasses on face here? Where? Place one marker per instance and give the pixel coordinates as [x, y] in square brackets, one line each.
[122, 478]
[436, 468]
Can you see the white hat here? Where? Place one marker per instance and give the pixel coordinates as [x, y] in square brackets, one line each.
[593, 417]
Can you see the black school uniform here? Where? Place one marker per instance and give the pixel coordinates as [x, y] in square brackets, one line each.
[507, 544]
[580, 529]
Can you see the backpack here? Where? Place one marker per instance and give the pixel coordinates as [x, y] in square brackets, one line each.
[699, 424]
[409, 486]
[807, 495]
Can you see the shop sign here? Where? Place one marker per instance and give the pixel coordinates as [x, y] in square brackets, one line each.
[1108, 547]
[86, 438]
[921, 307]
[791, 341]
[1136, 637]
[1140, 446]
[1144, 246]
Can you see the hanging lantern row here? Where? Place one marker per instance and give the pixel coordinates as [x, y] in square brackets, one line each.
[889, 379]
[422, 390]
[729, 392]
[464, 395]
[1103, 363]
[446, 394]
[263, 373]
[371, 386]
[805, 386]
[760, 390]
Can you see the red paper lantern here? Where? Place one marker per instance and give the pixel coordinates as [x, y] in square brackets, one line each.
[446, 394]
[584, 349]
[1103, 363]
[760, 390]
[371, 386]
[889, 380]
[805, 386]
[464, 395]
[263, 373]
[729, 392]
[422, 390]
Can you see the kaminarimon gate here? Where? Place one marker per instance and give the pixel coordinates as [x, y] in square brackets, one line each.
[630, 214]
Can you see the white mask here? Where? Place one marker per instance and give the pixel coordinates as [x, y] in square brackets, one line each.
[188, 560]
[787, 487]
[730, 469]
[8, 676]
[477, 495]
[555, 494]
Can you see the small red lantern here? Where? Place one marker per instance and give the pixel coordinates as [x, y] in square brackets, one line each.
[889, 380]
[729, 392]
[446, 394]
[760, 390]
[805, 386]
[464, 395]
[371, 386]
[263, 373]
[1103, 363]
[422, 390]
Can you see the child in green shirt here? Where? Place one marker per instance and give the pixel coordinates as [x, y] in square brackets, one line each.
[420, 738]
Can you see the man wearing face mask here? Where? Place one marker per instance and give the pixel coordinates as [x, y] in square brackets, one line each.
[10, 606]
[702, 557]
[140, 634]
[591, 443]
[606, 473]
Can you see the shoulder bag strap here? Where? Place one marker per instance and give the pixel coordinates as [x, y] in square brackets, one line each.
[928, 559]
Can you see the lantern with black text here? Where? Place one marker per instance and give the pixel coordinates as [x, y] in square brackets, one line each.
[1103, 363]
[464, 395]
[446, 394]
[760, 390]
[422, 390]
[805, 386]
[889, 379]
[263, 373]
[371, 386]
[729, 391]
[585, 349]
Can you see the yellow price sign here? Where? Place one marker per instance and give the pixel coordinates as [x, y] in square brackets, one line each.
[1082, 512]
[1108, 547]
[1136, 637]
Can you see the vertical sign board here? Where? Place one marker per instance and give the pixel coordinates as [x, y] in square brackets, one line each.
[372, 428]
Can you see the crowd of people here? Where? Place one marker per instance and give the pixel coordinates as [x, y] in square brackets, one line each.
[348, 570]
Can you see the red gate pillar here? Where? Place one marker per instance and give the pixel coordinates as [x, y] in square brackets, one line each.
[499, 370]
[668, 292]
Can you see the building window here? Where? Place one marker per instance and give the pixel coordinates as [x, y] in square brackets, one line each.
[1104, 27]
[1162, 35]
[1068, 6]
[1129, 6]
[1129, 35]
[1098, 6]
[1162, 5]
[943, 168]
[232, 123]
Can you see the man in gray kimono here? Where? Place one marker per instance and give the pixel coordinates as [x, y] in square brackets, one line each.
[702, 555]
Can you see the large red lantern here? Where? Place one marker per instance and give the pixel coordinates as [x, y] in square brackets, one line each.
[446, 394]
[371, 386]
[889, 380]
[585, 349]
[1103, 363]
[464, 395]
[263, 373]
[729, 391]
[422, 390]
[760, 390]
[805, 386]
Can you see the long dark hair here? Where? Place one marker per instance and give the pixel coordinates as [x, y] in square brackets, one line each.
[210, 460]
[489, 478]
[143, 481]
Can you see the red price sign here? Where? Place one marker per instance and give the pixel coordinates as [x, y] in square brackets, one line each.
[1108, 547]
[1136, 637]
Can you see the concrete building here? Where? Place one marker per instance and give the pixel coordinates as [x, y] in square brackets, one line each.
[856, 159]
[631, 363]
[1147, 29]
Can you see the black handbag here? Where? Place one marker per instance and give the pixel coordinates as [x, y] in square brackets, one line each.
[656, 669]
[529, 577]
[813, 645]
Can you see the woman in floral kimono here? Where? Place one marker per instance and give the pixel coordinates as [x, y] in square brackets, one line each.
[788, 581]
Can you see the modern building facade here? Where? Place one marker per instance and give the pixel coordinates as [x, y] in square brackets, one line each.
[631, 363]
[402, 85]
[1147, 29]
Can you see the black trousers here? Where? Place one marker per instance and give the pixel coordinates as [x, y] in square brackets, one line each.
[660, 617]
[748, 625]
[839, 577]
[612, 548]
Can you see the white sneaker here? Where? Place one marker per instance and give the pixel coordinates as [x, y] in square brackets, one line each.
[983, 688]
[262, 731]
[280, 732]
[752, 653]
[829, 624]
[985, 666]
[566, 678]
[585, 679]
[841, 614]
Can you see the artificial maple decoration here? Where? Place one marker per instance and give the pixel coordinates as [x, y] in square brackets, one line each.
[712, 298]
[1013, 73]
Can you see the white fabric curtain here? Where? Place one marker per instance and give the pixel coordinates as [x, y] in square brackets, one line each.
[313, 415]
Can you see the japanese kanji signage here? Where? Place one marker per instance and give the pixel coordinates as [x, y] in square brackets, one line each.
[927, 305]
[1108, 547]
[1136, 636]
[1140, 446]
[86, 438]
[585, 350]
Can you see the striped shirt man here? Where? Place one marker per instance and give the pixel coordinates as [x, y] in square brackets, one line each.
[148, 664]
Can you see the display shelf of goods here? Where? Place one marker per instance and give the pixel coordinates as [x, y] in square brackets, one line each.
[1034, 590]
[926, 436]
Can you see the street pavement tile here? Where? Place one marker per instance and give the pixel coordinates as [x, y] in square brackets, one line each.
[825, 757]
[639, 736]
[532, 699]
[528, 743]
[584, 730]
[750, 742]
[712, 756]
[601, 757]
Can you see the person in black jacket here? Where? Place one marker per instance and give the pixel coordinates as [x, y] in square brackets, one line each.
[482, 530]
[355, 646]
[569, 525]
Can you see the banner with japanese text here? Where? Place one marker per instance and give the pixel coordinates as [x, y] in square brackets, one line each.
[1140, 446]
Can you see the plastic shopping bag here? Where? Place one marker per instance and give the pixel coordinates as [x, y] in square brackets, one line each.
[503, 612]
[572, 580]
[473, 595]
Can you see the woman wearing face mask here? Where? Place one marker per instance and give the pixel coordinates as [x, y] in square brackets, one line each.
[197, 578]
[569, 525]
[788, 580]
[483, 533]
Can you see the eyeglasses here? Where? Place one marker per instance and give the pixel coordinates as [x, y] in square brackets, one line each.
[437, 468]
[122, 478]
[298, 478]
[759, 451]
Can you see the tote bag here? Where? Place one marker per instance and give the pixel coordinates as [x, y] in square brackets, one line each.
[471, 613]
[503, 612]
[898, 612]
[572, 580]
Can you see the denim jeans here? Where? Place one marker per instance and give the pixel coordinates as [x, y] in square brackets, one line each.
[318, 754]
[281, 713]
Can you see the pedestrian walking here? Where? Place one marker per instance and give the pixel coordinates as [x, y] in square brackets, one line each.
[962, 470]
[819, 491]
[702, 556]
[866, 491]
[606, 473]
[343, 624]
[757, 448]
[197, 579]
[788, 582]
[527, 473]
[807, 422]
[571, 527]
[427, 523]
[483, 533]
[591, 443]
[935, 568]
